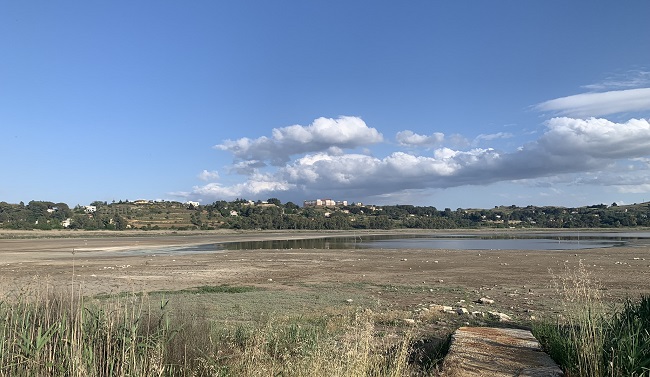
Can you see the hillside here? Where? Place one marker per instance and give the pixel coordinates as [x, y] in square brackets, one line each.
[244, 214]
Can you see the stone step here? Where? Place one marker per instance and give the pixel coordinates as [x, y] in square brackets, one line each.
[497, 352]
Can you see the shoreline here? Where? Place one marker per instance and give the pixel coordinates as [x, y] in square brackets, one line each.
[519, 279]
[75, 233]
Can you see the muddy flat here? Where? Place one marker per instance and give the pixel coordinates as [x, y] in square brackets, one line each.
[522, 283]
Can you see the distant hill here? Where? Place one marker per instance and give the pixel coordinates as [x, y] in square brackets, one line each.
[244, 214]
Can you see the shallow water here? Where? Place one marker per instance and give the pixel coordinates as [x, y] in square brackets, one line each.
[460, 241]
[449, 241]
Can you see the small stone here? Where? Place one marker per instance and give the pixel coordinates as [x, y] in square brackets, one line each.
[409, 321]
[485, 301]
[501, 316]
[462, 311]
[349, 301]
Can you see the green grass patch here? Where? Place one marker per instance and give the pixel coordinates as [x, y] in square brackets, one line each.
[204, 289]
[208, 289]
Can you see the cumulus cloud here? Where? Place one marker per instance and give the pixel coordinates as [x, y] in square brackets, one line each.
[597, 138]
[409, 138]
[598, 104]
[568, 146]
[253, 187]
[346, 132]
[208, 175]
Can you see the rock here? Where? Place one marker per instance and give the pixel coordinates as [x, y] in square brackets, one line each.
[480, 351]
[485, 301]
[409, 321]
[501, 316]
[462, 311]
[349, 301]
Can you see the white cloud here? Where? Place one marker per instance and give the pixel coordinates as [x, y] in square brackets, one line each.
[253, 187]
[208, 175]
[598, 104]
[597, 138]
[409, 138]
[566, 153]
[345, 132]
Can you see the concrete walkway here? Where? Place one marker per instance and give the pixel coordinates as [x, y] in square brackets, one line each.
[496, 352]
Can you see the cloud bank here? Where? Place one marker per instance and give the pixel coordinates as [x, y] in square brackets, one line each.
[567, 146]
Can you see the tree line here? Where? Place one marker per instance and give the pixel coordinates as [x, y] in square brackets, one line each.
[273, 214]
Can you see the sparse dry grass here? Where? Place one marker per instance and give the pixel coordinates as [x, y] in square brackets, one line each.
[55, 333]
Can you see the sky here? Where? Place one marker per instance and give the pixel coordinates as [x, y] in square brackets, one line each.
[463, 104]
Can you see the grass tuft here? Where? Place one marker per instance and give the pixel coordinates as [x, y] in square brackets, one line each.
[592, 340]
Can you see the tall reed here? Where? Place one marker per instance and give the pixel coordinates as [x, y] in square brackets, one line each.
[591, 339]
[53, 333]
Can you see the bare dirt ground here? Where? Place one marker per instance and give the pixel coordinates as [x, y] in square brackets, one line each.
[521, 283]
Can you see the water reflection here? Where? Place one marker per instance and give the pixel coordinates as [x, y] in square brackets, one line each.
[502, 241]
[312, 243]
[450, 241]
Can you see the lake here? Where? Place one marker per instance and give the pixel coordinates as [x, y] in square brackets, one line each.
[454, 241]
[449, 241]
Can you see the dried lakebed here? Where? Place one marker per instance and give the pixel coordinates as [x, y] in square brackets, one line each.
[372, 273]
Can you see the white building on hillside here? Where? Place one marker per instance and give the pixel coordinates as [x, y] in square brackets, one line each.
[323, 203]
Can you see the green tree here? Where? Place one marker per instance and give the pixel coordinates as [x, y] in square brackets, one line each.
[119, 222]
[275, 201]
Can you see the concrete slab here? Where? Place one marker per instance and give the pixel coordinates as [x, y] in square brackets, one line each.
[497, 352]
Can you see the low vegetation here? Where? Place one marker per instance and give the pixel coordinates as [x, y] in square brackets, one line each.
[50, 333]
[591, 339]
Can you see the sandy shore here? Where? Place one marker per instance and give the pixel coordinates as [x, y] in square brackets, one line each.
[521, 280]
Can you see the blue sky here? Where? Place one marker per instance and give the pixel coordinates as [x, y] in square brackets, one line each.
[449, 104]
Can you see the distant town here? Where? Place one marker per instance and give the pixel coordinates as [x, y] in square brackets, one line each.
[314, 214]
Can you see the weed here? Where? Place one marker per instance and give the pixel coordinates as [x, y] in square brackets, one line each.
[591, 340]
